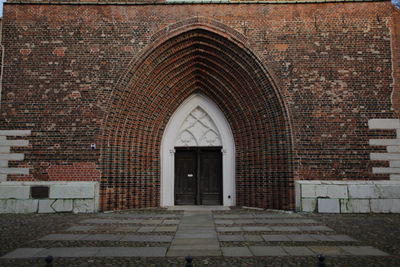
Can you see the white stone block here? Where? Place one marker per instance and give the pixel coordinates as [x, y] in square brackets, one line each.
[362, 191]
[337, 191]
[393, 149]
[308, 204]
[84, 206]
[395, 177]
[26, 205]
[308, 191]
[14, 142]
[18, 205]
[384, 142]
[12, 156]
[17, 192]
[3, 177]
[385, 156]
[398, 133]
[62, 205]
[388, 191]
[321, 190]
[3, 163]
[394, 164]
[385, 205]
[14, 170]
[354, 206]
[326, 205]
[45, 206]
[385, 124]
[15, 132]
[72, 190]
[4, 149]
[385, 170]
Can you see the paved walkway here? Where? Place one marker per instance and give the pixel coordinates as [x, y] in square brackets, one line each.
[196, 233]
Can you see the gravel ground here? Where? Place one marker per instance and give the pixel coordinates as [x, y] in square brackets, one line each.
[381, 231]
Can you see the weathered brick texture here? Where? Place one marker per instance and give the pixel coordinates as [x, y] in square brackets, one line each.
[297, 84]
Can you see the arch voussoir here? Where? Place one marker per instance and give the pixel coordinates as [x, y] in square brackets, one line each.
[197, 60]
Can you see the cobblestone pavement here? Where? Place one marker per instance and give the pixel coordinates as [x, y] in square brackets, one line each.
[238, 237]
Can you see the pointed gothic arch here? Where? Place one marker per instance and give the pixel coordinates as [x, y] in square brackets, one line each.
[197, 56]
[169, 142]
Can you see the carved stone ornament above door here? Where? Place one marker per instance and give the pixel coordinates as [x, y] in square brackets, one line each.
[198, 129]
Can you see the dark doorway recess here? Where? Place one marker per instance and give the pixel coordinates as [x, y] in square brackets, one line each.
[198, 176]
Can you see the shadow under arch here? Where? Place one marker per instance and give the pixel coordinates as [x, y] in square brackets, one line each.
[196, 57]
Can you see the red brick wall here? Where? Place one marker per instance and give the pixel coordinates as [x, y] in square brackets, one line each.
[297, 83]
[396, 59]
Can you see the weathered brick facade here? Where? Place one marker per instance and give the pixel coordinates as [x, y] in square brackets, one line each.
[297, 83]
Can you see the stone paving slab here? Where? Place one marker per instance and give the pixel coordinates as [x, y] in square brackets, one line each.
[126, 228]
[256, 228]
[64, 237]
[111, 221]
[229, 229]
[195, 242]
[140, 215]
[190, 252]
[343, 238]
[170, 222]
[72, 252]
[298, 251]
[253, 238]
[276, 238]
[22, 253]
[101, 237]
[80, 228]
[323, 238]
[329, 250]
[147, 238]
[165, 229]
[146, 229]
[236, 252]
[301, 238]
[315, 228]
[108, 237]
[69, 252]
[363, 251]
[285, 221]
[132, 252]
[285, 228]
[267, 251]
[219, 221]
[231, 238]
[195, 235]
[200, 250]
[256, 216]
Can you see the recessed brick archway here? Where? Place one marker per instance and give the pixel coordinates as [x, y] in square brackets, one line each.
[196, 58]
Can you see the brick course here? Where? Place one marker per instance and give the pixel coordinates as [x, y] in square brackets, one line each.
[297, 84]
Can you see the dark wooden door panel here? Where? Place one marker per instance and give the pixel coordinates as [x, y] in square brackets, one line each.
[198, 176]
[185, 177]
[211, 177]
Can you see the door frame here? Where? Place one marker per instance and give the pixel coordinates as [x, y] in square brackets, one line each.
[167, 194]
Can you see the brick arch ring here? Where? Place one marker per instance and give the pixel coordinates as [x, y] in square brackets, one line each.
[195, 57]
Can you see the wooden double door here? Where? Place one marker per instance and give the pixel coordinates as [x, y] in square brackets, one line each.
[198, 176]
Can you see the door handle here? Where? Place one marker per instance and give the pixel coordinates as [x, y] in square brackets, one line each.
[190, 175]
